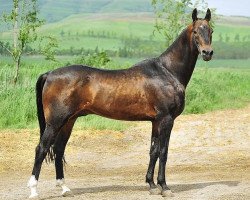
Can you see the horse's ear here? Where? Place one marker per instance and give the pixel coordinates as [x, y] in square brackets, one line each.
[208, 15]
[194, 15]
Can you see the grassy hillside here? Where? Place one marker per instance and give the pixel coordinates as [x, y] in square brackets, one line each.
[57, 10]
[131, 35]
[121, 28]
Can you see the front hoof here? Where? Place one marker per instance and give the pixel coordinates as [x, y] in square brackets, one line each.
[167, 193]
[68, 193]
[34, 196]
[154, 191]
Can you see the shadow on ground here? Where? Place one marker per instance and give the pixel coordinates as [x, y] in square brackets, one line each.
[175, 188]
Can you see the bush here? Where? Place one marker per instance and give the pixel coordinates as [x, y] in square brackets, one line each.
[96, 59]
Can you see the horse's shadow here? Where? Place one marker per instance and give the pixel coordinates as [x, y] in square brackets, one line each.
[175, 188]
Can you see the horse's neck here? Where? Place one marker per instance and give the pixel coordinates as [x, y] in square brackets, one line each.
[180, 58]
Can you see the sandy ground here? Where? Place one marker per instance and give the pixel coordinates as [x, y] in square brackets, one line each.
[209, 158]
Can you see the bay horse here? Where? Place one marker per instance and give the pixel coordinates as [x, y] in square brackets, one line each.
[152, 90]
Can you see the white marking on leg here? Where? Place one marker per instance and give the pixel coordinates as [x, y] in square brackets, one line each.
[32, 184]
[65, 190]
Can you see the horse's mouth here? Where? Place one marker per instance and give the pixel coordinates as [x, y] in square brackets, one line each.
[206, 57]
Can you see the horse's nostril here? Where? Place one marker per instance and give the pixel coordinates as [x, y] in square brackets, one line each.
[204, 52]
[207, 53]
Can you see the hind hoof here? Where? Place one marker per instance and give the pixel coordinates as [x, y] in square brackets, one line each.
[68, 194]
[154, 191]
[167, 193]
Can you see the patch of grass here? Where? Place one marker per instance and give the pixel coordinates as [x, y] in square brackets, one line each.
[225, 63]
[217, 88]
[101, 123]
[214, 63]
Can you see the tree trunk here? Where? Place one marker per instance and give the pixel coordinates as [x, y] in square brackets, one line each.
[15, 42]
[15, 25]
[17, 67]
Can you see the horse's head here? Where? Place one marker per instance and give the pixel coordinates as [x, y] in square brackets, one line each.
[202, 35]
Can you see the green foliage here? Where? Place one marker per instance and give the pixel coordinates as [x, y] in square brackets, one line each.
[213, 89]
[49, 47]
[24, 22]
[232, 50]
[171, 17]
[19, 111]
[99, 59]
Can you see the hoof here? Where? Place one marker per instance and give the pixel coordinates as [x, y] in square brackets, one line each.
[68, 194]
[34, 196]
[167, 193]
[154, 191]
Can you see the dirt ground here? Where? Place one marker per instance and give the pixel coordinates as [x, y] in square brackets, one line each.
[209, 158]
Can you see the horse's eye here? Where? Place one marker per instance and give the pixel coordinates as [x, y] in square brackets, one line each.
[195, 32]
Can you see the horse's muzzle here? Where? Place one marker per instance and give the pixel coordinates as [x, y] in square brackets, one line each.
[207, 54]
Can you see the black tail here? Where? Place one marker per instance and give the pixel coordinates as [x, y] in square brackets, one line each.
[39, 103]
[40, 113]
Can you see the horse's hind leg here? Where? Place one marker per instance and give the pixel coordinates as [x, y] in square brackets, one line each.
[59, 148]
[42, 149]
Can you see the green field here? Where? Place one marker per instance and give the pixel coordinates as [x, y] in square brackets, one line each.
[58, 10]
[112, 31]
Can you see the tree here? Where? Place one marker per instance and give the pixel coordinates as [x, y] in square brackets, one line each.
[23, 22]
[220, 37]
[62, 33]
[237, 37]
[172, 16]
[227, 38]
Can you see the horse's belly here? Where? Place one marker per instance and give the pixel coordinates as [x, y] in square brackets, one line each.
[118, 99]
[124, 110]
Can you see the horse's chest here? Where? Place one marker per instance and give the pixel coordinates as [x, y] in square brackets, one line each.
[171, 98]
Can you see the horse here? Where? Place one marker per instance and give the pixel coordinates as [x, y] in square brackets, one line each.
[152, 90]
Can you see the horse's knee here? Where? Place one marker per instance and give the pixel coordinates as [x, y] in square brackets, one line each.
[59, 146]
[59, 159]
[154, 150]
[163, 154]
[59, 153]
[40, 152]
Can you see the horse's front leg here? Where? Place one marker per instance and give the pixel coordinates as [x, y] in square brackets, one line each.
[165, 127]
[154, 154]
